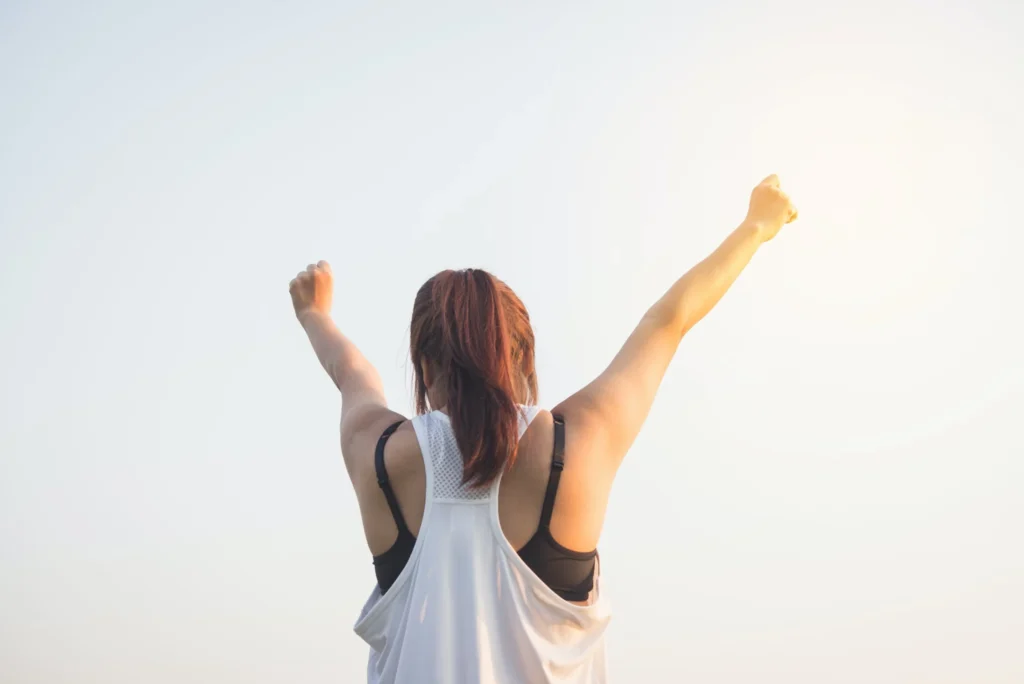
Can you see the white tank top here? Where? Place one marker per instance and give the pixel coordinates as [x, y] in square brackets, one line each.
[466, 609]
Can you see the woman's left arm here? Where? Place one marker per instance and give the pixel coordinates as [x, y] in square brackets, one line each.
[363, 404]
[352, 374]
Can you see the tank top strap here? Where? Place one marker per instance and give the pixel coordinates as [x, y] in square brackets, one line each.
[528, 414]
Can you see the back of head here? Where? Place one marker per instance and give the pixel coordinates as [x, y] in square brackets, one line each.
[472, 341]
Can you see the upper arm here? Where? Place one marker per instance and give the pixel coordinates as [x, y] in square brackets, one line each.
[608, 413]
[364, 408]
[364, 416]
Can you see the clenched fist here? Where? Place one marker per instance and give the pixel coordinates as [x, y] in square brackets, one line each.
[770, 208]
[312, 290]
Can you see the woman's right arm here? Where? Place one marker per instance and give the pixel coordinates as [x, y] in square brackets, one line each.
[607, 414]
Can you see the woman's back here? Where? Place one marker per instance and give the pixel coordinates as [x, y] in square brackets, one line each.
[577, 516]
[465, 578]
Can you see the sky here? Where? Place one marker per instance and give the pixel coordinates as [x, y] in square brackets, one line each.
[829, 486]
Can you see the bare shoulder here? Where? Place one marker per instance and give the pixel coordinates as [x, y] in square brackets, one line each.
[582, 442]
[403, 457]
[361, 429]
[586, 435]
[405, 471]
[533, 457]
[583, 487]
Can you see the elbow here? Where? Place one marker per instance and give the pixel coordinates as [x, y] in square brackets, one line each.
[358, 379]
[673, 320]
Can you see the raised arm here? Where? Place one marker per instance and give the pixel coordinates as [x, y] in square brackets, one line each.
[608, 413]
[363, 404]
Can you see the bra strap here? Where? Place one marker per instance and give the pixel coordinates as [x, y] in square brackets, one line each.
[557, 464]
[385, 484]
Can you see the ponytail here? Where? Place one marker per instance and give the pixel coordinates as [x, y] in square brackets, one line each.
[483, 358]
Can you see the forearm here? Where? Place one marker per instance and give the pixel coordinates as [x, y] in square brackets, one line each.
[697, 292]
[339, 356]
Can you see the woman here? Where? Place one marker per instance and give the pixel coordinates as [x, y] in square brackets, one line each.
[483, 513]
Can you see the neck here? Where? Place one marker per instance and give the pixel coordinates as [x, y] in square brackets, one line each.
[437, 397]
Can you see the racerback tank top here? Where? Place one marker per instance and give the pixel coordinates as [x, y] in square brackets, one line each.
[466, 608]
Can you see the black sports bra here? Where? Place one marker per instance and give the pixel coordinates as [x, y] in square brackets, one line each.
[568, 573]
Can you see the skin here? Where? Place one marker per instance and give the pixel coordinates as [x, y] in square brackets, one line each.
[602, 419]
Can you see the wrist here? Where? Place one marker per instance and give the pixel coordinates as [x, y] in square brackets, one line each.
[755, 230]
[311, 316]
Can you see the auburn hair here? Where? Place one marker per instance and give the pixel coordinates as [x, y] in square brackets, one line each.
[474, 333]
